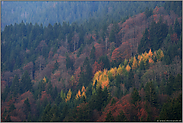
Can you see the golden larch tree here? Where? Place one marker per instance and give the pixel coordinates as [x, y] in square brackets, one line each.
[44, 80]
[83, 89]
[134, 65]
[68, 95]
[83, 94]
[150, 54]
[78, 95]
[128, 67]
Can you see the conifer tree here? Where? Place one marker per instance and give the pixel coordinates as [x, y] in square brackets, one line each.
[25, 82]
[150, 93]
[121, 117]
[15, 86]
[109, 117]
[92, 53]
[46, 114]
[135, 96]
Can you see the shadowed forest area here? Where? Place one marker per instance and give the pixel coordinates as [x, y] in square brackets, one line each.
[91, 61]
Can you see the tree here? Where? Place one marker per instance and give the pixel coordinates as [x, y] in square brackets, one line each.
[55, 114]
[56, 65]
[69, 62]
[151, 95]
[5, 93]
[113, 101]
[148, 12]
[92, 53]
[170, 83]
[40, 63]
[8, 119]
[46, 115]
[86, 76]
[99, 100]
[49, 88]
[121, 117]
[112, 36]
[178, 82]
[128, 68]
[78, 95]
[58, 99]
[68, 95]
[62, 95]
[15, 86]
[135, 96]
[105, 61]
[142, 46]
[177, 28]
[134, 65]
[27, 108]
[12, 107]
[25, 83]
[109, 117]
[172, 110]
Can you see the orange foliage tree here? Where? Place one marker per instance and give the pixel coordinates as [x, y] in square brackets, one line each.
[97, 67]
[122, 52]
[128, 68]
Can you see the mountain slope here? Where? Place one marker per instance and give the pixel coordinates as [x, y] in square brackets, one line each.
[68, 73]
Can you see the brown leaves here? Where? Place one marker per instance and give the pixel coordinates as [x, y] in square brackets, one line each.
[41, 45]
[97, 67]
[174, 38]
[44, 96]
[98, 50]
[122, 52]
[115, 54]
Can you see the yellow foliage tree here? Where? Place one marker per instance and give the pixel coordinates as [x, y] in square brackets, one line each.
[96, 76]
[44, 80]
[113, 71]
[134, 65]
[102, 78]
[68, 95]
[128, 68]
[140, 58]
[159, 55]
[72, 80]
[62, 94]
[120, 70]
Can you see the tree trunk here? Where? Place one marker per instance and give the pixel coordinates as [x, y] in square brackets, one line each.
[106, 43]
[74, 44]
[66, 41]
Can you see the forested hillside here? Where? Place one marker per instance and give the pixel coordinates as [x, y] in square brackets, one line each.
[69, 11]
[128, 68]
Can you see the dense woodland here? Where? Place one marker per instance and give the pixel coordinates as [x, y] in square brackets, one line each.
[128, 68]
[70, 11]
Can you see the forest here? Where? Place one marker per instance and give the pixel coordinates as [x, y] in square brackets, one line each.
[110, 65]
[69, 11]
